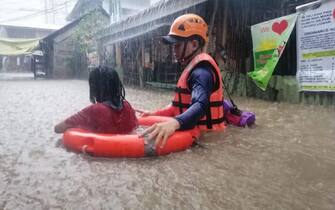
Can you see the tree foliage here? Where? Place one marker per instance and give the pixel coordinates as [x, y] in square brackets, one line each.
[84, 35]
[84, 41]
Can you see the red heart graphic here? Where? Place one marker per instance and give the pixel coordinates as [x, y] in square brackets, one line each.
[279, 28]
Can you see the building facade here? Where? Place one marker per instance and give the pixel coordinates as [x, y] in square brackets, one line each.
[22, 63]
[134, 45]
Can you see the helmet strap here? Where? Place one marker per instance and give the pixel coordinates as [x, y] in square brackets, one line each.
[190, 55]
[184, 51]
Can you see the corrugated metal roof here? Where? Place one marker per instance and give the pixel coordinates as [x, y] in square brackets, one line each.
[63, 29]
[135, 32]
[73, 24]
[146, 20]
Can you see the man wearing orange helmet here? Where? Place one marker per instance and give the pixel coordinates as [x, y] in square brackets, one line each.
[198, 99]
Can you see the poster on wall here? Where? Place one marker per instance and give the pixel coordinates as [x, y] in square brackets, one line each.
[316, 46]
[269, 40]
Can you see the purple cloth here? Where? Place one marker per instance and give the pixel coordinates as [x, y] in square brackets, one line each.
[247, 118]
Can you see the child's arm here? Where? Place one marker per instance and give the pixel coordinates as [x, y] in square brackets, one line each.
[167, 111]
[62, 127]
[82, 119]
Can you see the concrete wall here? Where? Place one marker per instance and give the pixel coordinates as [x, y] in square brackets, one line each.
[280, 88]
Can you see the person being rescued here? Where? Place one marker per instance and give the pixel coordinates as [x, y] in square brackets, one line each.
[198, 99]
[110, 112]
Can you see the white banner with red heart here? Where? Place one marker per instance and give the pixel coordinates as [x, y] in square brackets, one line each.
[269, 40]
[316, 47]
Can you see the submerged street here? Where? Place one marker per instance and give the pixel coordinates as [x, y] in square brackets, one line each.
[286, 162]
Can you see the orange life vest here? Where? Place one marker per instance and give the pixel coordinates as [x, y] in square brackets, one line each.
[214, 116]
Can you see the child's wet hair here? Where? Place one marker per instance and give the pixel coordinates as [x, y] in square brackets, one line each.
[105, 85]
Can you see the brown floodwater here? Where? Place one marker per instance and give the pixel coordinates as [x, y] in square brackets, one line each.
[287, 161]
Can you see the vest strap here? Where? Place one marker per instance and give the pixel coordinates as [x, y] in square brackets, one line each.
[216, 103]
[182, 90]
[214, 121]
[180, 105]
[209, 118]
[183, 105]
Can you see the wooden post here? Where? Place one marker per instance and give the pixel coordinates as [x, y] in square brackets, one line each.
[211, 23]
[141, 62]
[118, 59]
[224, 27]
[99, 52]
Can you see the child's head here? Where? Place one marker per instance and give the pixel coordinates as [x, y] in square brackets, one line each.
[105, 85]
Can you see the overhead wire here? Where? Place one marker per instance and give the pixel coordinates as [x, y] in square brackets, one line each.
[39, 13]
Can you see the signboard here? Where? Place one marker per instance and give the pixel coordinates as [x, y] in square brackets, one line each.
[269, 40]
[316, 46]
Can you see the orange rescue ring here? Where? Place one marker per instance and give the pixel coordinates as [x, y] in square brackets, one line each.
[115, 145]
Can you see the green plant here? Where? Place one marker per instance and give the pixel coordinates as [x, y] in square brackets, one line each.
[83, 39]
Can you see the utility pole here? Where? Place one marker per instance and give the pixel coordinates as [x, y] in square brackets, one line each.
[53, 11]
[46, 11]
[66, 8]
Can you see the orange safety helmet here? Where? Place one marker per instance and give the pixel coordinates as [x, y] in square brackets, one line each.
[186, 26]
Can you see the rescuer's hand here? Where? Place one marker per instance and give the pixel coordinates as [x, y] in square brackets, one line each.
[160, 132]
